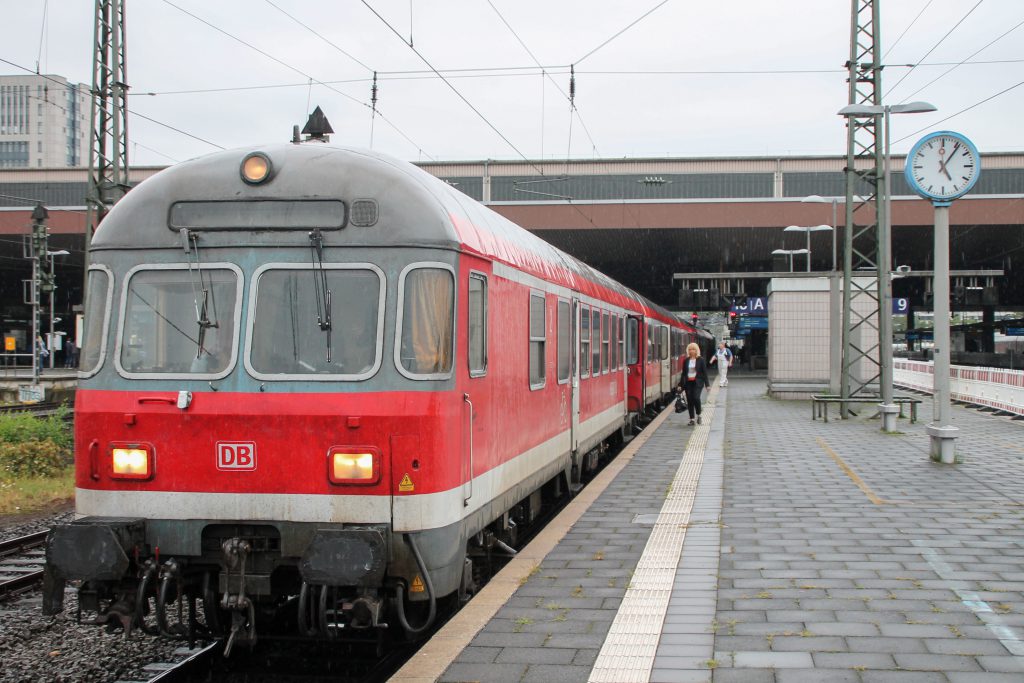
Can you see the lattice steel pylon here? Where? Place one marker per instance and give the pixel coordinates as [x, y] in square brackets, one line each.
[864, 187]
[108, 151]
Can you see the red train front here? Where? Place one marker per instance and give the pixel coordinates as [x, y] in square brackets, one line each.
[319, 385]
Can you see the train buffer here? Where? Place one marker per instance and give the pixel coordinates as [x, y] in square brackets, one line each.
[820, 403]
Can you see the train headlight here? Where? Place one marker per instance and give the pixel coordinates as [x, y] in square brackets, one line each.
[353, 465]
[131, 461]
[256, 168]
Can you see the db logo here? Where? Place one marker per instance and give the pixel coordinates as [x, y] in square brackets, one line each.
[236, 455]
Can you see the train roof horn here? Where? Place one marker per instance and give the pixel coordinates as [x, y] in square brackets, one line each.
[317, 127]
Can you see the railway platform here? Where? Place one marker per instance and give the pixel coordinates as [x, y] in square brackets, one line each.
[764, 546]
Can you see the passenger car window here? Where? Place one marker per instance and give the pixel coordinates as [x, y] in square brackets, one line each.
[632, 334]
[287, 339]
[428, 306]
[170, 327]
[538, 341]
[477, 325]
[584, 341]
[564, 349]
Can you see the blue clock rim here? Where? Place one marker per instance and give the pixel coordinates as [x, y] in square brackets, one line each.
[940, 200]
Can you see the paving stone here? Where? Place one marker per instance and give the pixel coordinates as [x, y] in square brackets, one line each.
[937, 663]
[546, 673]
[773, 660]
[816, 676]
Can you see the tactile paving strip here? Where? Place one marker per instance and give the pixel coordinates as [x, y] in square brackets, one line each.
[627, 655]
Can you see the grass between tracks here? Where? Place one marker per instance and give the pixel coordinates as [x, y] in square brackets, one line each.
[36, 471]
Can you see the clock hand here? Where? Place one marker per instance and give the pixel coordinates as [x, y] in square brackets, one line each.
[943, 169]
[948, 159]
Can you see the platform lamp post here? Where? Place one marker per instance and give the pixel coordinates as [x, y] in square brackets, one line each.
[809, 229]
[790, 253]
[818, 199]
[886, 408]
[53, 286]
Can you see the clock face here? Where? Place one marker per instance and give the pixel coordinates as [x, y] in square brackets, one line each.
[942, 166]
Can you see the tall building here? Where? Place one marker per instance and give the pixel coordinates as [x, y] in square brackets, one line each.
[44, 122]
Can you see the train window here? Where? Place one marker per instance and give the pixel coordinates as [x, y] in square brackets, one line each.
[632, 337]
[663, 342]
[606, 335]
[538, 340]
[584, 341]
[595, 341]
[650, 343]
[427, 322]
[615, 343]
[179, 322]
[477, 325]
[287, 340]
[620, 342]
[97, 319]
[564, 349]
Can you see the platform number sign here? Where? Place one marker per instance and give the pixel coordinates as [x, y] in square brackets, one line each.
[900, 305]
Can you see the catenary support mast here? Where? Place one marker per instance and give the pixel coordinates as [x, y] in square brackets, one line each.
[862, 300]
[108, 151]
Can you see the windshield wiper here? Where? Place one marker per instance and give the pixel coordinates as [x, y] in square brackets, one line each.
[323, 295]
[190, 242]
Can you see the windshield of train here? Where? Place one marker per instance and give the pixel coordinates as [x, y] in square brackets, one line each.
[96, 319]
[162, 332]
[286, 337]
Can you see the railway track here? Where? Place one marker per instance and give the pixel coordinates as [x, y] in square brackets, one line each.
[21, 564]
[38, 409]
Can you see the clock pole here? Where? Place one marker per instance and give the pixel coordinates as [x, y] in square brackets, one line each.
[943, 434]
[942, 179]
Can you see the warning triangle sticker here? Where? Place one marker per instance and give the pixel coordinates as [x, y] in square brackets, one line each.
[417, 585]
[406, 483]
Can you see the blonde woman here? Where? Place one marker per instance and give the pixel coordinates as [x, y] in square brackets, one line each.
[695, 379]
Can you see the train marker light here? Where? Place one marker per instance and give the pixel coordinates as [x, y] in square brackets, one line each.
[131, 461]
[353, 466]
[256, 168]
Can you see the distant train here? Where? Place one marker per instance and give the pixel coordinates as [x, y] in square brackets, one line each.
[318, 384]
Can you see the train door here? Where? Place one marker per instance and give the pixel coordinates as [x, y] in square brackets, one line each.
[476, 399]
[665, 359]
[574, 378]
[636, 386]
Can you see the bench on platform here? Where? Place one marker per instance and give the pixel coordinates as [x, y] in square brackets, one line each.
[820, 403]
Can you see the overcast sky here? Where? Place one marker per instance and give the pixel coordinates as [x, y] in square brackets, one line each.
[748, 77]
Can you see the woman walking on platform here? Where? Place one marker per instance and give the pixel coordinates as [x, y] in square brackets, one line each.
[694, 380]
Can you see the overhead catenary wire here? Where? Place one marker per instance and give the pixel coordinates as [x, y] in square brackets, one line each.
[909, 26]
[296, 70]
[965, 109]
[130, 111]
[446, 82]
[962, 62]
[629, 26]
[42, 34]
[936, 45]
[319, 35]
[544, 72]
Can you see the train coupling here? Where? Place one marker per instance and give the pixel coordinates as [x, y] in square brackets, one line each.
[234, 553]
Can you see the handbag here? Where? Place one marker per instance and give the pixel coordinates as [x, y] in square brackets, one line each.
[680, 404]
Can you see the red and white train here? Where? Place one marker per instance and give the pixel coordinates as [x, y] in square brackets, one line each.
[318, 383]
